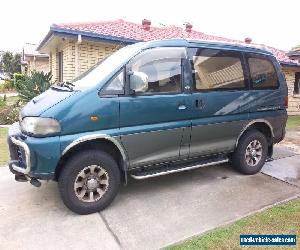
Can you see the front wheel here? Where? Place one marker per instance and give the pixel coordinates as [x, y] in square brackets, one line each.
[89, 181]
[251, 152]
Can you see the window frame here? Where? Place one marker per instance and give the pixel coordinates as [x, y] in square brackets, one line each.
[296, 90]
[239, 54]
[108, 93]
[263, 57]
[129, 67]
[60, 60]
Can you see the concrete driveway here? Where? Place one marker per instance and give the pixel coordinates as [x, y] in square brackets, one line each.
[147, 214]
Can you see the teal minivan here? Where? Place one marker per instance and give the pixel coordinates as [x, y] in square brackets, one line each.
[151, 109]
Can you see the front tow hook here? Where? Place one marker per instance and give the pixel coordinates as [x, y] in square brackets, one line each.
[23, 178]
[35, 182]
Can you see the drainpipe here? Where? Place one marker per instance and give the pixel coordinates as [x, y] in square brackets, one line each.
[77, 63]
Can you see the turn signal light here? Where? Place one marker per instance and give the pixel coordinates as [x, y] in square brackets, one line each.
[94, 118]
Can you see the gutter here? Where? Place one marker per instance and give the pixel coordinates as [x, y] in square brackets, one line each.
[289, 64]
[46, 38]
[85, 34]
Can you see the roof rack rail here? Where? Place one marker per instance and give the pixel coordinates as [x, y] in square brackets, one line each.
[237, 43]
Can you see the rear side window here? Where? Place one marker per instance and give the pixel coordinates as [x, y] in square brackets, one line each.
[216, 69]
[263, 74]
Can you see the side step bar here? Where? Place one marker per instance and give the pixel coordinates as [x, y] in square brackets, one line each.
[170, 170]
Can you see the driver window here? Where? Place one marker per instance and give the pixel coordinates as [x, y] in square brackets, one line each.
[163, 69]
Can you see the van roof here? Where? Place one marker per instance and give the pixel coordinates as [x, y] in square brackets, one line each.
[255, 48]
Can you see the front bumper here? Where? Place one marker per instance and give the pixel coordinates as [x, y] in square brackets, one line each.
[20, 162]
[32, 157]
[20, 156]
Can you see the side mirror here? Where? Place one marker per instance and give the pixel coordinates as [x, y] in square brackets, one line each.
[138, 82]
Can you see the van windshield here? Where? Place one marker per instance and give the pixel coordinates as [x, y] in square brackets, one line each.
[102, 69]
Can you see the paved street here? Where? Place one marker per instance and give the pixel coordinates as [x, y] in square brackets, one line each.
[147, 214]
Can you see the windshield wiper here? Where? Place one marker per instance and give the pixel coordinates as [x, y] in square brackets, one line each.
[67, 85]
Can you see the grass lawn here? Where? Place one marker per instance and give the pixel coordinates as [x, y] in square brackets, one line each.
[280, 219]
[3, 147]
[293, 122]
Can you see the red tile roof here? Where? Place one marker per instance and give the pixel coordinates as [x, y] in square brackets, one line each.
[127, 30]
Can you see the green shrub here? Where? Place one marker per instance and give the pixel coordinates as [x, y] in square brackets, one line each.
[18, 77]
[8, 85]
[32, 85]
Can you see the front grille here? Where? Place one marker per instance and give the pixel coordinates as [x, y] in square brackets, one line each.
[17, 154]
[21, 157]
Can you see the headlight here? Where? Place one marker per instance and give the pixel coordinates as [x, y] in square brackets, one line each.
[40, 126]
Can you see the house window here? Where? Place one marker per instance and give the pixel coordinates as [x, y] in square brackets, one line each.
[60, 66]
[297, 83]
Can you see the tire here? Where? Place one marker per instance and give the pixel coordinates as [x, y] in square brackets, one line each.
[252, 145]
[92, 171]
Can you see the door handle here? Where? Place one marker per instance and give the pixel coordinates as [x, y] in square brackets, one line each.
[181, 107]
[199, 103]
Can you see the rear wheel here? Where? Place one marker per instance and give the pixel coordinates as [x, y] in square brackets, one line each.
[251, 152]
[89, 181]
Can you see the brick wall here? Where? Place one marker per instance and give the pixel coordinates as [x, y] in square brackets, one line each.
[38, 64]
[88, 54]
[91, 53]
[53, 65]
[42, 65]
[294, 102]
[68, 50]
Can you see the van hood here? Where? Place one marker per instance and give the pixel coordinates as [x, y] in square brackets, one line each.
[45, 101]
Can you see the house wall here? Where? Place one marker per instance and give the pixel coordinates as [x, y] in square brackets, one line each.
[53, 65]
[91, 53]
[37, 64]
[78, 57]
[68, 50]
[294, 101]
[42, 65]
